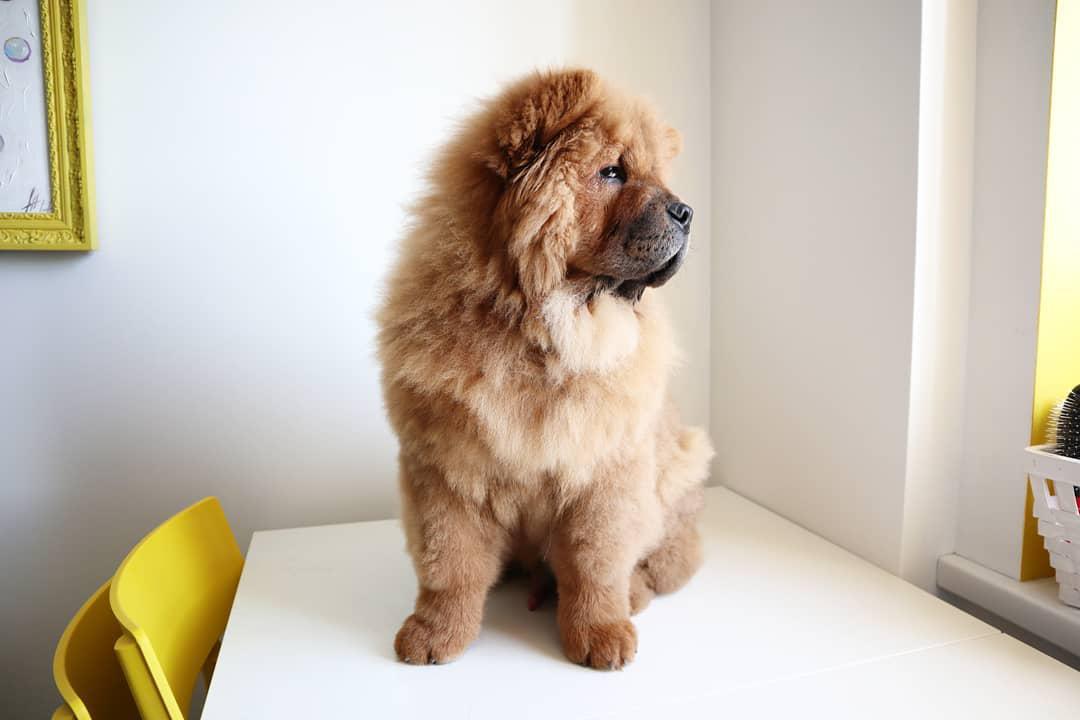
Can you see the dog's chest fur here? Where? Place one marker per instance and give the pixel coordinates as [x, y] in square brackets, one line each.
[522, 438]
[598, 401]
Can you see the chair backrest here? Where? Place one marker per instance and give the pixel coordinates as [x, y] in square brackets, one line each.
[85, 670]
[172, 595]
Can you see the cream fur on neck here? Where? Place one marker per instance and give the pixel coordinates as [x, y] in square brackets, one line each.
[595, 336]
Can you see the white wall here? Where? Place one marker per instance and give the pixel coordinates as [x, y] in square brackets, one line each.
[873, 346]
[815, 117]
[1015, 40]
[253, 159]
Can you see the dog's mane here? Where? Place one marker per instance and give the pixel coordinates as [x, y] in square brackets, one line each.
[479, 286]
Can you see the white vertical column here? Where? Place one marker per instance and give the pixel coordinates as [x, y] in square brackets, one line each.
[942, 271]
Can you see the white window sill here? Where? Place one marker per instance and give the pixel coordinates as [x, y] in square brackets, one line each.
[1032, 606]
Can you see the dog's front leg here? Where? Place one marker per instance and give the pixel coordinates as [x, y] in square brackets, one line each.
[457, 551]
[596, 543]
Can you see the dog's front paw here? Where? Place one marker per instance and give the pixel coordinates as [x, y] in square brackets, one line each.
[421, 642]
[604, 646]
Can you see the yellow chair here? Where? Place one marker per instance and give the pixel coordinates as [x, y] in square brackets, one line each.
[172, 596]
[86, 671]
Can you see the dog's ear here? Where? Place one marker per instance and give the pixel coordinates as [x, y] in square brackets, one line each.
[532, 113]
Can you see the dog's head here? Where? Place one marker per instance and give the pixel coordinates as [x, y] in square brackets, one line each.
[583, 207]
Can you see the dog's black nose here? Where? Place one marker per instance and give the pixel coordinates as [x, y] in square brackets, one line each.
[682, 214]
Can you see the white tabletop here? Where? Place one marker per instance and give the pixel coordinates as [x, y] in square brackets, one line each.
[778, 622]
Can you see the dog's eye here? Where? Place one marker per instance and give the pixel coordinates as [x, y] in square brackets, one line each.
[613, 172]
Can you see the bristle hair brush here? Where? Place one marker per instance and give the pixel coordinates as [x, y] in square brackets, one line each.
[1063, 428]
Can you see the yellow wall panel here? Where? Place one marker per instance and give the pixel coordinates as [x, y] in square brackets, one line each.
[1057, 363]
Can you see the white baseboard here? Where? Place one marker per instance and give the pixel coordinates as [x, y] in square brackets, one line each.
[1033, 606]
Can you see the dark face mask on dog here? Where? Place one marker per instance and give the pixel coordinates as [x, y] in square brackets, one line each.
[644, 236]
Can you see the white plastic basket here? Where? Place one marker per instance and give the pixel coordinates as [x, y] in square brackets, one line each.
[1052, 479]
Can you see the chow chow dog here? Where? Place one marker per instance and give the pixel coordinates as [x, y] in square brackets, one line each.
[525, 360]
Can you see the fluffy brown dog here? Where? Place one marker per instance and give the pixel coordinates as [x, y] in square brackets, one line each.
[525, 369]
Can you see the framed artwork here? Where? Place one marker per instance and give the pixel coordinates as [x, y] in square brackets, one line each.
[46, 199]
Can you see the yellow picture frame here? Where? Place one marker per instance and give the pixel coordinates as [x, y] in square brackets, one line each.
[69, 223]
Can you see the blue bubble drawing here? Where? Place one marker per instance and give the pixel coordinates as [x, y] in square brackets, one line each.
[16, 49]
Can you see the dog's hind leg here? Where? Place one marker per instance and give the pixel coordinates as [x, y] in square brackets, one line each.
[684, 454]
[669, 566]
